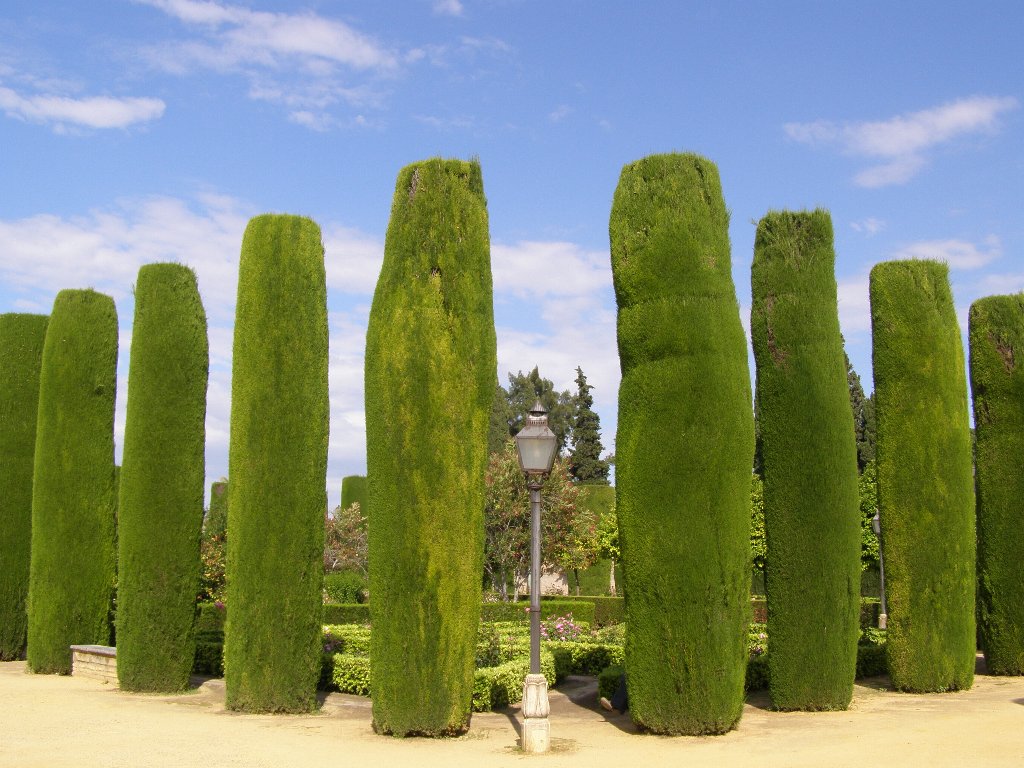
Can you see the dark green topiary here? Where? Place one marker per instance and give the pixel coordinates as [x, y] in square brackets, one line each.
[430, 372]
[74, 557]
[160, 507]
[809, 452]
[21, 352]
[216, 523]
[278, 469]
[685, 445]
[997, 381]
[353, 490]
[925, 487]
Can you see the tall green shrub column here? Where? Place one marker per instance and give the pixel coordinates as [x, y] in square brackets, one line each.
[685, 446]
[21, 352]
[74, 560]
[160, 509]
[996, 328]
[430, 371]
[278, 469]
[809, 451]
[925, 484]
[353, 490]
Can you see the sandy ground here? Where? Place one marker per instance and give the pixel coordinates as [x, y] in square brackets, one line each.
[67, 721]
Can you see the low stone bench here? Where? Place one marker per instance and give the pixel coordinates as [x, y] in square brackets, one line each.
[98, 662]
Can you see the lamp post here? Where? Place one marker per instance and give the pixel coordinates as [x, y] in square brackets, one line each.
[536, 445]
[883, 617]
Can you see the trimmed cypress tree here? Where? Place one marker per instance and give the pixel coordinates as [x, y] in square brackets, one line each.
[430, 372]
[925, 487]
[217, 518]
[278, 469]
[996, 329]
[809, 453]
[74, 557]
[685, 445]
[21, 352]
[354, 489]
[160, 502]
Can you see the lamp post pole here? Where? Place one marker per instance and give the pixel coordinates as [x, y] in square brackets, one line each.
[883, 616]
[536, 445]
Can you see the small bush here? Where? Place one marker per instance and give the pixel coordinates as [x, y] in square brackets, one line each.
[497, 687]
[344, 587]
[350, 673]
[607, 610]
[756, 678]
[347, 638]
[608, 680]
[583, 658]
[583, 611]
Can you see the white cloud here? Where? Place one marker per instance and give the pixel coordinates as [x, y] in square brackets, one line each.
[87, 112]
[959, 254]
[903, 140]
[869, 226]
[532, 268]
[448, 7]
[560, 112]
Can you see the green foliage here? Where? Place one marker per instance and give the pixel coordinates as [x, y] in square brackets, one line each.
[347, 613]
[72, 575]
[585, 462]
[354, 490]
[996, 327]
[863, 417]
[345, 541]
[925, 484]
[21, 351]
[498, 429]
[583, 657]
[430, 370]
[160, 509]
[351, 673]
[758, 547]
[497, 687]
[809, 450]
[685, 446]
[278, 466]
[216, 522]
[524, 389]
[347, 638]
[607, 610]
[344, 587]
[608, 680]
[583, 610]
[867, 491]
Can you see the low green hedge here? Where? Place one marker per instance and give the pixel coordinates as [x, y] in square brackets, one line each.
[347, 613]
[607, 610]
[608, 680]
[583, 658]
[581, 610]
[869, 608]
[345, 587]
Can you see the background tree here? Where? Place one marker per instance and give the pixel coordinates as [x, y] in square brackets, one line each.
[585, 462]
[277, 463]
[685, 447]
[354, 490]
[74, 554]
[213, 546]
[345, 541]
[21, 352]
[863, 417]
[996, 327]
[925, 478]
[565, 525]
[758, 547]
[867, 491]
[431, 364]
[160, 509]
[608, 544]
[499, 429]
[523, 391]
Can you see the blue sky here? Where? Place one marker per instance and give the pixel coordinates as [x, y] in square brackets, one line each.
[135, 131]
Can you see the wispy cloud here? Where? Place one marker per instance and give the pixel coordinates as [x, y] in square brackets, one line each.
[448, 8]
[560, 112]
[869, 226]
[566, 269]
[959, 254]
[64, 112]
[902, 142]
[305, 61]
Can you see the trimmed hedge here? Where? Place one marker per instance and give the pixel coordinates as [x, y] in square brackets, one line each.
[353, 490]
[606, 610]
[925, 483]
[581, 610]
[21, 353]
[350, 613]
[278, 467]
[809, 453]
[216, 523]
[160, 506]
[430, 371]
[996, 329]
[71, 584]
[345, 587]
[685, 445]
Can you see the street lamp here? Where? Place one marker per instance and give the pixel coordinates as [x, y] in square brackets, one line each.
[536, 445]
[883, 617]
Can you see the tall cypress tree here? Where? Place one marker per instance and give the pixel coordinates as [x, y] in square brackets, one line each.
[430, 371]
[354, 490]
[216, 523]
[278, 469]
[863, 417]
[685, 446]
[585, 462]
[160, 509]
[996, 329]
[811, 513]
[72, 575]
[925, 487]
[21, 352]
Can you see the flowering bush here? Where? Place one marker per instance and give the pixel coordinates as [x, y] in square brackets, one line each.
[560, 628]
[757, 640]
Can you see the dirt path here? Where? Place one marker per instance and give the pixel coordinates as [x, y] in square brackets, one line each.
[60, 721]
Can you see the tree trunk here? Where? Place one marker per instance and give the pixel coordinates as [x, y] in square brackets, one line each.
[611, 579]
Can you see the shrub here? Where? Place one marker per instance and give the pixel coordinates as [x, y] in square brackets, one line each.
[809, 454]
[277, 465]
[497, 687]
[582, 610]
[925, 484]
[216, 523]
[21, 352]
[345, 587]
[583, 658]
[160, 509]
[350, 673]
[347, 638]
[354, 490]
[430, 372]
[608, 680]
[996, 327]
[71, 583]
[350, 613]
[685, 446]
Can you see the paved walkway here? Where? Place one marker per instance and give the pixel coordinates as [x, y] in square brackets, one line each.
[60, 721]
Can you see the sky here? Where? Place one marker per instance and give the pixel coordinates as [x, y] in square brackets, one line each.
[138, 131]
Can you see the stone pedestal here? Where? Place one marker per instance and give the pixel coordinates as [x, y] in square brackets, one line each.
[96, 661]
[536, 726]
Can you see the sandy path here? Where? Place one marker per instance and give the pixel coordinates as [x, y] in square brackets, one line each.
[60, 721]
